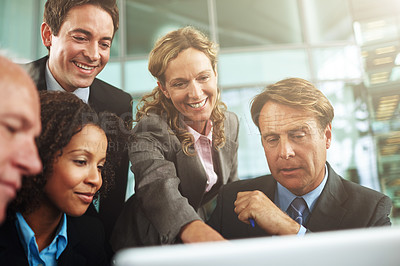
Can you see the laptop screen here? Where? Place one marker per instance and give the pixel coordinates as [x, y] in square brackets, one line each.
[366, 247]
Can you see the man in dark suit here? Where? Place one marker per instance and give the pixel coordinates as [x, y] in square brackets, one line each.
[303, 192]
[78, 35]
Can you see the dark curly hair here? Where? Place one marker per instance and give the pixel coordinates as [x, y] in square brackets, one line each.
[63, 115]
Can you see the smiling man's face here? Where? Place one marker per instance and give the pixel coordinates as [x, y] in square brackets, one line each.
[81, 49]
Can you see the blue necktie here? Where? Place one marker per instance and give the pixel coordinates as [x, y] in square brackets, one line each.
[297, 209]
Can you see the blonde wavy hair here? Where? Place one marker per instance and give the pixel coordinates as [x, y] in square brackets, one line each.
[166, 49]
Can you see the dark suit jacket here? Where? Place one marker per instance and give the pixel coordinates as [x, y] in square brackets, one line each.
[86, 243]
[341, 205]
[169, 185]
[103, 97]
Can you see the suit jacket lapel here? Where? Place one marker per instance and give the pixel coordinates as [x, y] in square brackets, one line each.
[267, 185]
[37, 70]
[11, 249]
[69, 255]
[224, 157]
[193, 177]
[328, 212]
[96, 98]
[41, 83]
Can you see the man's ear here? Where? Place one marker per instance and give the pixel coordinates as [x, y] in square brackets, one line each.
[328, 135]
[164, 90]
[46, 34]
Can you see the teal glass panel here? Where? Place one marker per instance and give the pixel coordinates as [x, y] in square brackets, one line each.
[254, 68]
[16, 29]
[138, 79]
[148, 20]
[112, 74]
[257, 22]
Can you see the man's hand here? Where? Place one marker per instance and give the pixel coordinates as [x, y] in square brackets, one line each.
[256, 205]
[198, 231]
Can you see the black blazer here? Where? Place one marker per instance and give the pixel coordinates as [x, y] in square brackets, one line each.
[341, 205]
[86, 243]
[103, 97]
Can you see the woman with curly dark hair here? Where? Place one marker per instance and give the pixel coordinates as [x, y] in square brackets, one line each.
[184, 149]
[45, 225]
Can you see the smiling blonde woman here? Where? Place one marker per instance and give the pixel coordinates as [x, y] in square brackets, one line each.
[184, 146]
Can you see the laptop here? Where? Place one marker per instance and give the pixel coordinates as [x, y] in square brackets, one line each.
[367, 247]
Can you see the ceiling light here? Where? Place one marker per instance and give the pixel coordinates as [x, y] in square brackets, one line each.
[385, 50]
[383, 60]
[379, 77]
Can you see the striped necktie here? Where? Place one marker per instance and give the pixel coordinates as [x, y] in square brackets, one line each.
[297, 209]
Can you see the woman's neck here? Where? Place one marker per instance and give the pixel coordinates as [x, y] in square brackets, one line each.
[199, 126]
[43, 222]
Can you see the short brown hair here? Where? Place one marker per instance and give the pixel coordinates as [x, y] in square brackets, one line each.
[296, 93]
[55, 11]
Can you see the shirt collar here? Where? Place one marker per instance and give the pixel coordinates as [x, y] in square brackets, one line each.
[26, 234]
[197, 135]
[53, 85]
[62, 236]
[284, 197]
[24, 231]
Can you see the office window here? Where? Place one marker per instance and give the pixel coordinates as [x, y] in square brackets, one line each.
[377, 30]
[254, 68]
[110, 74]
[138, 79]
[257, 22]
[115, 51]
[337, 63]
[41, 50]
[148, 20]
[328, 20]
[251, 158]
[352, 153]
[17, 35]
[368, 9]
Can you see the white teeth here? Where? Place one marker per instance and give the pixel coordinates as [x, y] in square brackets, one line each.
[197, 105]
[83, 66]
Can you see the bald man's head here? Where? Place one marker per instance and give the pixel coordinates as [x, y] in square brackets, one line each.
[19, 125]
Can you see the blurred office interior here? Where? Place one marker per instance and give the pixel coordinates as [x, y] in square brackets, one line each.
[349, 48]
